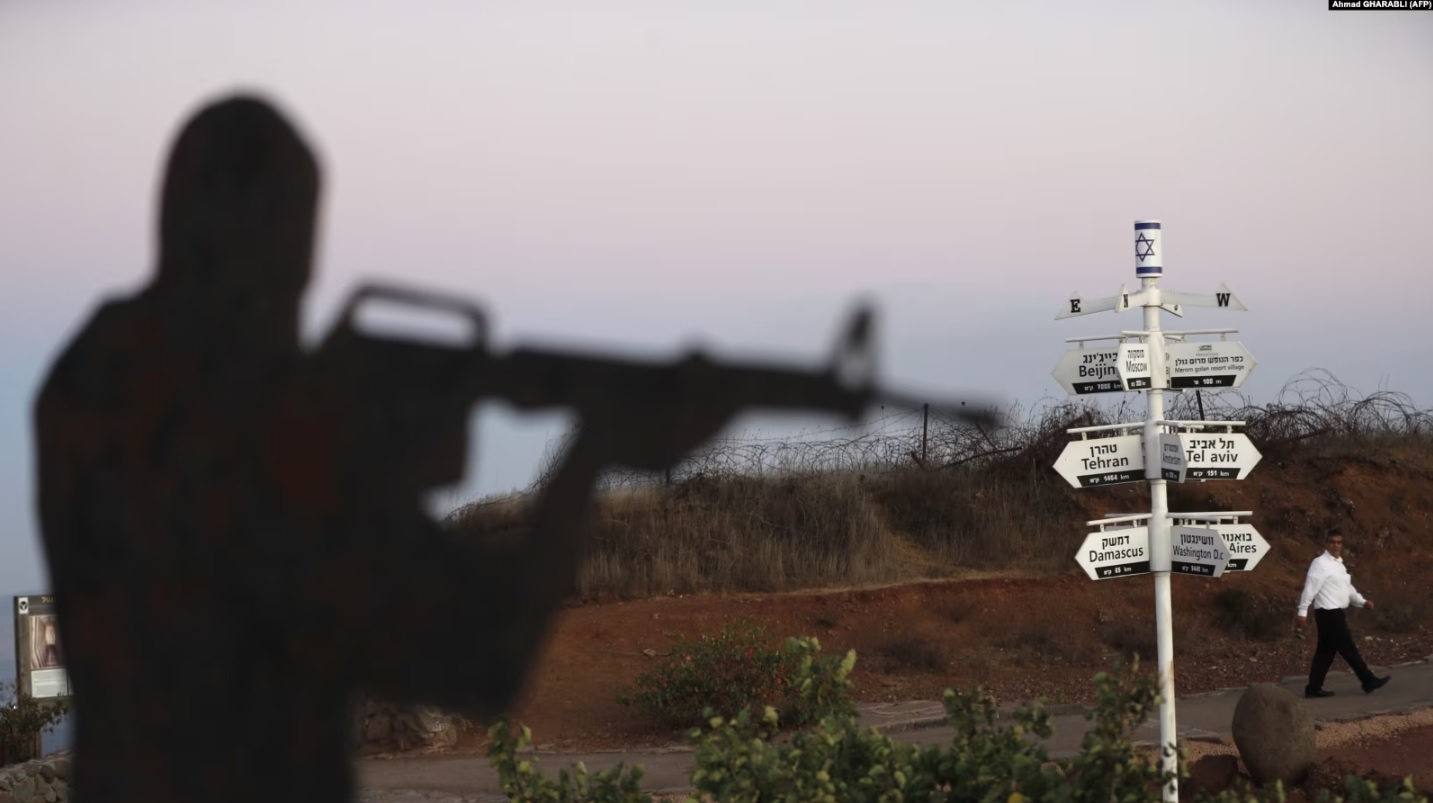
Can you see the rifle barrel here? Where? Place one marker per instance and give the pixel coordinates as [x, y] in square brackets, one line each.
[531, 378]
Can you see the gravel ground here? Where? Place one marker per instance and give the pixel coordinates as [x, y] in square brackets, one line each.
[1335, 735]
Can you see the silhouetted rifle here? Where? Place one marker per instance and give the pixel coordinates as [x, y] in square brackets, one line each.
[594, 385]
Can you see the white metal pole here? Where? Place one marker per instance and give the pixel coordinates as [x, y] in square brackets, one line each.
[1149, 266]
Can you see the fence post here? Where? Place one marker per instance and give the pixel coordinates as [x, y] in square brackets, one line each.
[925, 428]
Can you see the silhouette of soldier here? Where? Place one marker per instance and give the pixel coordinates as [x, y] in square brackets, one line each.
[234, 528]
[182, 666]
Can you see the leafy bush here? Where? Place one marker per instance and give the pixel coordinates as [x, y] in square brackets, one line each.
[22, 719]
[736, 761]
[839, 760]
[521, 781]
[726, 673]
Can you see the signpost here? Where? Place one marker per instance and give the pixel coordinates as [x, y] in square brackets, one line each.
[1246, 546]
[1219, 364]
[1121, 551]
[1202, 454]
[39, 665]
[1159, 451]
[1083, 371]
[39, 661]
[1222, 297]
[1119, 302]
[1197, 550]
[1103, 461]
[1133, 366]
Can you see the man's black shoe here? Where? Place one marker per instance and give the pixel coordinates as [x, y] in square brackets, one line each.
[1317, 693]
[1377, 684]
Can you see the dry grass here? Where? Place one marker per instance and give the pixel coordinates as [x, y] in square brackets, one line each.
[862, 507]
[1130, 641]
[1253, 617]
[1402, 611]
[909, 654]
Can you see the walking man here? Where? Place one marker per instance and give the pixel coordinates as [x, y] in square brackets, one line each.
[1329, 590]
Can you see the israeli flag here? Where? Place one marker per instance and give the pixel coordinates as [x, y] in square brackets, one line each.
[1148, 250]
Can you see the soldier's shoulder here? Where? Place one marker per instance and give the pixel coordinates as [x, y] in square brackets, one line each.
[100, 335]
[109, 314]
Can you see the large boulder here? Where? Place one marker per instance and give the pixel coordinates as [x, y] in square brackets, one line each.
[384, 727]
[1274, 734]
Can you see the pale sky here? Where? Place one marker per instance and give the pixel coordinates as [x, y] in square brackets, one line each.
[640, 175]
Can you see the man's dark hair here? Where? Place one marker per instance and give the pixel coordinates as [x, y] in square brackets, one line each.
[1332, 531]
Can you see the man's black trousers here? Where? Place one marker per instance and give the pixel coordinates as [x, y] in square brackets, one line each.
[1334, 639]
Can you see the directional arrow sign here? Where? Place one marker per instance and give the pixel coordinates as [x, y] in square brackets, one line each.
[1102, 461]
[1171, 457]
[1133, 366]
[1220, 364]
[1245, 545]
[1187, 456]
[1083, 371]
[1223, 297]
[1197, 550]
[1115, 553]
[1089, 306]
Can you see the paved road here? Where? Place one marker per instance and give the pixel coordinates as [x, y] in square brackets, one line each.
[1199, 717]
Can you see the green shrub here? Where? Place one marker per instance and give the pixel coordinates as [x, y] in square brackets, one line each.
[738, 668]
[841, 761]
[521, 781]
[837, 760]
[22, 720]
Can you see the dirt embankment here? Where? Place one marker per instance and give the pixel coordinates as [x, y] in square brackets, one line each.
[1022, 631]
[958, 578]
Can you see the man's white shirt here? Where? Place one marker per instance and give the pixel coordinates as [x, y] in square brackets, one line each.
[1328, 585]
